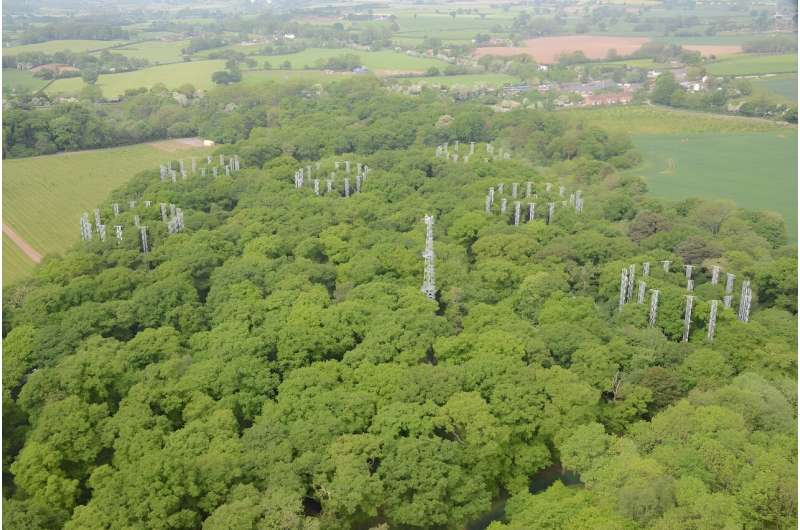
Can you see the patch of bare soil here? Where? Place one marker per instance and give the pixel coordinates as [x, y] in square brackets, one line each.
[713, 49]
[546, 50]
[177, 144]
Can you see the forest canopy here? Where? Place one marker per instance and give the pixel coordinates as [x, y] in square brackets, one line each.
[275, 364]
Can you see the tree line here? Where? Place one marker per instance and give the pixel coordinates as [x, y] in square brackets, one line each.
[80, 30]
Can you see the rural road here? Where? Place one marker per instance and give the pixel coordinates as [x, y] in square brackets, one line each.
[22, 244]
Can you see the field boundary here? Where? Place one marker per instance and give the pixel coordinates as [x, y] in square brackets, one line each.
[23, 245]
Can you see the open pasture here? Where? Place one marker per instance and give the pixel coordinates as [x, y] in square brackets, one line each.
[446, 27]
[155, 51]
[708, 50]
[781, 86]
[635, 63]
[466, 80]
[54, 46]
[757, 170]
[753, 64]
[721, 39]
[16, 265]
[646, 119]
[254, 77]
[44, 196]
[172, 75]
[416, 41]
[547, 49]
[380, 61]
[14, 79]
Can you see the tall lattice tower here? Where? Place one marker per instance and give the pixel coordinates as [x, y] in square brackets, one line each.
[653, 307]
[429, 281]
[712, 320]
[745, 301]
[687, 317]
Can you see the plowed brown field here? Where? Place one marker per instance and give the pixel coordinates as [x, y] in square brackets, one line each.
[546, 50]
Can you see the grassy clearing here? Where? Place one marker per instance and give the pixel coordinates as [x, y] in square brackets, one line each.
[158, 52]
[254, 77]
[16, 265]
[757, 170]
[62, 45]
[416, 41]
[465, 26]
[14, 79]
[381, 60]
[718, 40]
[461, 35]
[172, 75]
[752, 64]
[195, 21]
[44, 196]
[635, 63]
[783, 87]
[470, 79]
[664, 120]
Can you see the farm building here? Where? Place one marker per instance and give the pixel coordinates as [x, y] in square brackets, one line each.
[596, 100]
[56, 69]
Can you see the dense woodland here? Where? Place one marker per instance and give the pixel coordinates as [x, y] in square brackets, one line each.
[276, 365]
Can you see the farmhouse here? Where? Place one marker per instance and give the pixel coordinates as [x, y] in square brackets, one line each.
[55, 68]
[691, 86]
[516, 89]
[596, 100]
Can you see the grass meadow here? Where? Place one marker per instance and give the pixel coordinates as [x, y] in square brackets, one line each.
[468, 79]
[693, 154]
[634, 63]
[781, 86]
[375, 61]
[16, 265]
[44, 196]
[172, 75]
[62, 45]
[713, 40]
[14, 79]
[753, 64]
[254, 77]
[198, 73]
[156, 51]
[646, 119]
[757, 170]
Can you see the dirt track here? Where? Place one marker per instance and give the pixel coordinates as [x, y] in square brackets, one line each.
[22, 244]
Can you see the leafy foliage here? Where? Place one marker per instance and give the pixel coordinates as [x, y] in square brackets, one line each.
[276, 365]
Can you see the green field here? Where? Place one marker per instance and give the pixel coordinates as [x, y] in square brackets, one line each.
[416, 41]
[16, 265]
[14, 79]
[381, 60]
[714, 40]
[44, 196]
[756, 170]
[157, 51]
[470, 79]
[781, 86]
[253, 77]
[196, 21]
[62, 45]
[752, 64]
[647, 119]
[634, 63]
[443, 26]
[172, 75]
